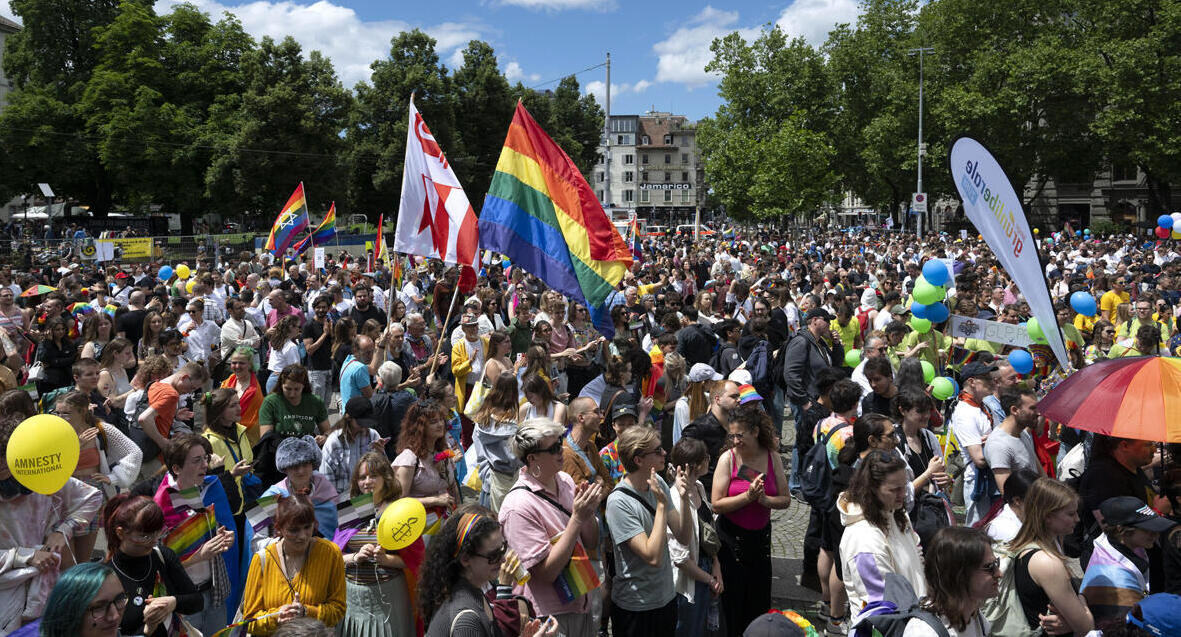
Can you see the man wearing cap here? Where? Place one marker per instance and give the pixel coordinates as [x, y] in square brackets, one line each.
[1010, 447]
[807, 354]
[123, 288]
[972, 427]
[1118, 572]
[468, 356]
[712, 426]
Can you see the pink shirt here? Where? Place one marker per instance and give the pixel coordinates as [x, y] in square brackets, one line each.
[529, 522]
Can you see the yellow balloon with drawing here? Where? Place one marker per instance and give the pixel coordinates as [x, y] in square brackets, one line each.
[43, 453]
[400, 524]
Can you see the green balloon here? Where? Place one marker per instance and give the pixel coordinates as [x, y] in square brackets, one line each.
[928, 372]
[853, 358]
[941, 388]
[1034, 329]
[922, 326]
[926, 293]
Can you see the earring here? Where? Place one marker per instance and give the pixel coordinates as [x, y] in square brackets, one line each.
[535, 475]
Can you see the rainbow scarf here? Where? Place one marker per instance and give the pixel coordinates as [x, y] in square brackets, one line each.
[579, 576]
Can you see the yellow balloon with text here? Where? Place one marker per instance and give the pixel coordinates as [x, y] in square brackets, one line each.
[190, 285]
[183, 271]
[400, 524]
[43, 453]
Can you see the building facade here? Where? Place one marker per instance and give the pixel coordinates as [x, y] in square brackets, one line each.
[653, 167]
[7, 28]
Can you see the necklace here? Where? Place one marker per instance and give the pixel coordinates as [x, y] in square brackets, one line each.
[138, 600]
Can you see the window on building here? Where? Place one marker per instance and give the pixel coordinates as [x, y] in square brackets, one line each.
[628, 176]
[685, 195]
[619, 139]
[644, 158]
[629, 160]
[644, 140]
[668, 158]
[667, 177]
[601, 177]
[644, 175]
[668, 140]
[599, 194]
[643, 196]
[629, 196]
[685, 176]
[1123, 172]
[684, 158]
[668, 196]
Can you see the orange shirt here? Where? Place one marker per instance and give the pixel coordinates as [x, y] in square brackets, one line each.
[164, 399]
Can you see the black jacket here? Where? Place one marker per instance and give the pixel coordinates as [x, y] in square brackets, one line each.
[805, 358]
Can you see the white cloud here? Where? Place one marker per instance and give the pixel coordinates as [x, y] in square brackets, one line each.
[598, 88]
[514, 73]
[561, 5]
[6, 11]
[682, 56]
[813, 19]
[336, 31]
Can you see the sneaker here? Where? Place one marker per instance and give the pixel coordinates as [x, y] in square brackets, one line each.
[823, 612]
[836, 628]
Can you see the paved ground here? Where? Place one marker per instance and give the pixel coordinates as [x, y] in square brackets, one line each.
[787, 548]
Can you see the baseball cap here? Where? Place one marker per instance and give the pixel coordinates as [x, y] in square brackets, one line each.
[1159, 614]
[899, 309]
[469, 319]
[701, 371]
[1126, 510]
[976, 368]
[817, 312]
[625, 409]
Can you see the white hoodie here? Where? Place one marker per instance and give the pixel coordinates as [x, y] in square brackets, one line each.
[867, 554]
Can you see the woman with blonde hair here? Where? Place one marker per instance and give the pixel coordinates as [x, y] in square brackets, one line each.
[149, 342]
[377, 582]
[1040, 572]
[229, 440]
[495, 425]
[118, 357]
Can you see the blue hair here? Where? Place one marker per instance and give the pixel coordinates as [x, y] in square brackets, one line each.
[65, 610]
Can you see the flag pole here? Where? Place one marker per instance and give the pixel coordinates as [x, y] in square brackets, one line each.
[443, 329]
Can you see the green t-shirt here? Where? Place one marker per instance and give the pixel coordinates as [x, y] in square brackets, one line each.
[937, 345]
[293, 420]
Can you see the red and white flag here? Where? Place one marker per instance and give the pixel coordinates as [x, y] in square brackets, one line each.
[435, 218]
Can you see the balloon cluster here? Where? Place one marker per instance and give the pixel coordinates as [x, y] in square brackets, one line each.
[1168, 226]
[929, 291]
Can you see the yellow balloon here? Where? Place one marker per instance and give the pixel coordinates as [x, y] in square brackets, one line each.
[43, 453]
[1176, 235]
[190, 285]
[402, 522]
[183, 271]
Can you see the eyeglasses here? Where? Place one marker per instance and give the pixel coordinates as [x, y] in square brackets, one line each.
[658, 450]
[735, 436]
[496, 556]
[143, 538]
[992, 567]
[554, 449]
[100, 610]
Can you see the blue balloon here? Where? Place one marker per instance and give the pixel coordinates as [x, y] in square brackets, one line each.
[165, 273]
[955, 385]
[1165, 221]
[918, 310]
[935, 272]
[1021, 361]
[1078, 233]
[1083, 303]
[937, 312]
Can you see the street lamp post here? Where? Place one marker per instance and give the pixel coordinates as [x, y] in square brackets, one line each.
[920, 51]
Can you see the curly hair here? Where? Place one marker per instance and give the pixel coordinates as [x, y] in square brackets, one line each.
[420, 415]
[295, 373]
[754, 418]
[863, 488]
[442, 569]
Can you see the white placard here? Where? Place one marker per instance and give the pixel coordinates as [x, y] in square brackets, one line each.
[991, 331]
[319, 258]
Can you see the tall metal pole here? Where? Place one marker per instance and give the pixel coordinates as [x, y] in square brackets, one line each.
[919, 184]
[607, 136]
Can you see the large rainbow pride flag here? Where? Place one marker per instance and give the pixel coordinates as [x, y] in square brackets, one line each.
[541, 213]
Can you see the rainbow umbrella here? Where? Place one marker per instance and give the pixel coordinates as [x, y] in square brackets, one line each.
[1137, 397]
[38, 290]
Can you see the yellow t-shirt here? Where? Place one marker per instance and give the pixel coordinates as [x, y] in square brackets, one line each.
[849, 332]
[1085, 324]
[1111, 300]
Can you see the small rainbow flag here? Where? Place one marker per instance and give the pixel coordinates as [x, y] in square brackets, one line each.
[352, 512]
[188, 536]
[960, 356]
[292, 220]
[260, 515]
[579, 576]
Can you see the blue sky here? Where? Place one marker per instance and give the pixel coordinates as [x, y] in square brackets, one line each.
[659, 48]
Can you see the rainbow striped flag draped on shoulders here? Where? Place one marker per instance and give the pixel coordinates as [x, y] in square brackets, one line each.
[541, 213]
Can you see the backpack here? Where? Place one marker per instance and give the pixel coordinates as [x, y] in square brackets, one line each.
[931, 512]
[1005, 612]
[777, 363]
[759, 366]
[816, 474]
[863, 321]
[137, 435]
[889, 617]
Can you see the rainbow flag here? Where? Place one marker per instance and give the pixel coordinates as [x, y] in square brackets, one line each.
[321, 235]
[188, 536]
[352, 512]
[541, 214]
[579, 576]
[292, 220]
[635, 240]
[263, 511]
[381, 252]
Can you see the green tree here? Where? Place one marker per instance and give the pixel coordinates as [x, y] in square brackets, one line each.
[486, 101]
[768, 150]
[378, 122]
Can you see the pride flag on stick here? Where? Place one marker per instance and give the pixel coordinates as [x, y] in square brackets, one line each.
[579, 576]
[188, 536]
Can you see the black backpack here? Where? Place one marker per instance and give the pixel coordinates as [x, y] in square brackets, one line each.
[899, 605]
[816, 474]
[930, 513]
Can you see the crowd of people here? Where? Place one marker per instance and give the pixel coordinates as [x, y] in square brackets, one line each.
[577, 483]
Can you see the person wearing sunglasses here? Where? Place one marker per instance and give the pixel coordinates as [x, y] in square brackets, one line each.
[87, 601]
[962, 573]
[545, 503]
